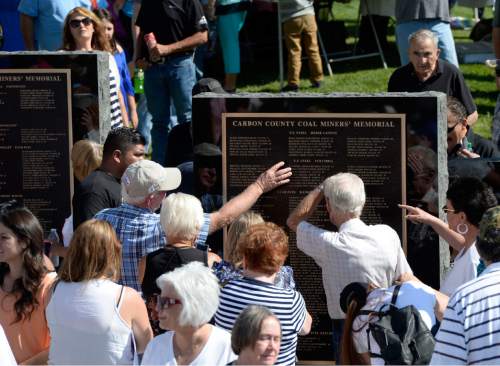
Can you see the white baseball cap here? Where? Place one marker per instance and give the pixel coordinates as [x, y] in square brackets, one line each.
[145, 177]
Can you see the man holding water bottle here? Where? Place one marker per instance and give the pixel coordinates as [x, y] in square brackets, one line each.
[170, 32]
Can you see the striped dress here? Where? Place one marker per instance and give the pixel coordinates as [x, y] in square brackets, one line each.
[470, 331]
[287, 305]
[114, 86]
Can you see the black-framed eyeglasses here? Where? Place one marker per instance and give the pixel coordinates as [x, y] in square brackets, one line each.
[448, 210]
[75, 23]
[163, 302]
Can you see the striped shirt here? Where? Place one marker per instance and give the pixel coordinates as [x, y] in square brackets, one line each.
[470, 331]
[287, 305]
[140, 232]
[114, 86]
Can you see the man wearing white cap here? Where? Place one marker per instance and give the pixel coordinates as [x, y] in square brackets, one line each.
[144, 185]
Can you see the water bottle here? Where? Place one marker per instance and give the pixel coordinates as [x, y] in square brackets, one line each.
[53, 238]
[139, 81]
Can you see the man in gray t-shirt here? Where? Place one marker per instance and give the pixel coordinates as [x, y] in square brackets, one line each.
[412, 15]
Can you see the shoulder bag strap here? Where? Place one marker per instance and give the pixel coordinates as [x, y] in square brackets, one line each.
[395, 295]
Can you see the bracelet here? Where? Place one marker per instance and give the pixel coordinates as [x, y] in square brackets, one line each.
[321, 187]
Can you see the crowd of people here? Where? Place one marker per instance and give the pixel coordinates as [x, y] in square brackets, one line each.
[139, 284]
[246, 310]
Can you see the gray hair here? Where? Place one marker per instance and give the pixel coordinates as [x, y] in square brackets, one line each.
[134, 201]
[247, 326]
[181, 216]
[422, 34]
[457, 110]
[198, 291]
[426, 155]
[345, 193]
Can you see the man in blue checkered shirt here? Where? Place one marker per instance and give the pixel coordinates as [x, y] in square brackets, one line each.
[144, 186]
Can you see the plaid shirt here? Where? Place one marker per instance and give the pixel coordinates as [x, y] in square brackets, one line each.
[140, 233]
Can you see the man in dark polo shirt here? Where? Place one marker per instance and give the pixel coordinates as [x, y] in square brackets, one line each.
[102, 188]
[426, 73]
[179, 26]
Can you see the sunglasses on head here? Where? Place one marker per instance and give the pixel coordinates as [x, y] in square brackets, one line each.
[448, 210]
[165, 302]
[75, 23]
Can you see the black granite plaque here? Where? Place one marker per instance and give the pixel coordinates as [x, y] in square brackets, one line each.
[35, 142]
[316, 146]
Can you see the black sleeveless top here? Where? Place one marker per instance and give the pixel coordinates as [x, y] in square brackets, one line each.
[165, 260]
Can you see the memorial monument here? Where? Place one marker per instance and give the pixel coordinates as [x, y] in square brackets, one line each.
[48, 101]
[320, 135]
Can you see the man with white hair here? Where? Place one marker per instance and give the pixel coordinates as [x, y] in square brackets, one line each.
[426, 72]
[356, 253]
[144, 186]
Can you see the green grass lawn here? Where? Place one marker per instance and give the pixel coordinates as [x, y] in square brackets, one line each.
[368, 76]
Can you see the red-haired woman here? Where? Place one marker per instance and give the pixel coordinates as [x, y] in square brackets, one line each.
[264, 249]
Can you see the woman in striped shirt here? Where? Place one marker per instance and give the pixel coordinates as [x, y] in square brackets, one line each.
[264, 249]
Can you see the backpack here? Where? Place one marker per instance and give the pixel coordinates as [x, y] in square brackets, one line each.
[401, 334]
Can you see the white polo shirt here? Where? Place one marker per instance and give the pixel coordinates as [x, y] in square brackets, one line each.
[356, 253]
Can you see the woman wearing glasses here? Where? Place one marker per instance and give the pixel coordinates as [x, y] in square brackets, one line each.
[83, 31]
[466, 201]
[24, 284]
[93, 320]
[189, 298]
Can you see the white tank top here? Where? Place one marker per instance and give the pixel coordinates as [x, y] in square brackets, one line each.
[86, 326]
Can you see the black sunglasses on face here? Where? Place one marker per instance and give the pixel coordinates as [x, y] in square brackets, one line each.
[75, 23]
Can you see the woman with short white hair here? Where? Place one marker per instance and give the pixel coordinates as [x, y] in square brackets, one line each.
[189, 298]
[181, 218]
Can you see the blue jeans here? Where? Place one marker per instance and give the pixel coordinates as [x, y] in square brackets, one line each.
[164, 85]
[443, 31]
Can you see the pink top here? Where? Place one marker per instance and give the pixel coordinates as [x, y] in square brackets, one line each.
[27, 337]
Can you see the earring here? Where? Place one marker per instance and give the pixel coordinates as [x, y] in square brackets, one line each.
[462, 229]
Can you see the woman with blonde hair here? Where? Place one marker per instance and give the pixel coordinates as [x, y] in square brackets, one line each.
[86, 156]
[93, 320]
[83, 31]
[231, 268]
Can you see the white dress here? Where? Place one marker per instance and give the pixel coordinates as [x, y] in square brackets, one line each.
[464, 269]
[86, 327]
[217, 350]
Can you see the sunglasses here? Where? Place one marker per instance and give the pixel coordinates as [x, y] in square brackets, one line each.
[448, 210]
[75, 23]
[163, 303]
